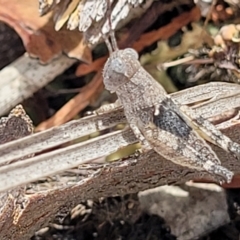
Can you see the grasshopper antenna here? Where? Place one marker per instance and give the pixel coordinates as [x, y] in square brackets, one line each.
[107, 42]
[113, 45]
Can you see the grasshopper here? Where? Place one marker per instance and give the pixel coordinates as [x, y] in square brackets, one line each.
[174, 131]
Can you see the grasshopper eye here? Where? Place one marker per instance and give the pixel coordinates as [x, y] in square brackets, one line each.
[118, 65]
[132, 53]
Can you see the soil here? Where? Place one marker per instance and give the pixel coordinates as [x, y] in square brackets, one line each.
[122, 218]
[112, 218]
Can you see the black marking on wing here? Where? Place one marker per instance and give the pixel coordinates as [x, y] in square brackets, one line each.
[170, 121]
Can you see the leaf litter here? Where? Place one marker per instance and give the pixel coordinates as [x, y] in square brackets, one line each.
[215, 57]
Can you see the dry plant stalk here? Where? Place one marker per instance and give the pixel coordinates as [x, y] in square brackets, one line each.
[26, 213]
[20, 79]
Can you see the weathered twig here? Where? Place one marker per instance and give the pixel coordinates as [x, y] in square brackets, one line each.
[76, 104]
[131, 175]
[25, 76]
[26, 214]
[219, 98]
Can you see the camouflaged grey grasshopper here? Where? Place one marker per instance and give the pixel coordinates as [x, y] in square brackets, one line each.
[173, 130]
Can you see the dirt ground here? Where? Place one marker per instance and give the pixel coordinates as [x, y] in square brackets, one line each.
[111, 218]
[122, 218]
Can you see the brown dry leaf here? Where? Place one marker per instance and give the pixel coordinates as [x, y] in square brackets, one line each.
[90, 16]
[84, 69]
[75, 105]
[46, 5]
[165, 32]
[62, 18]
[38, 34]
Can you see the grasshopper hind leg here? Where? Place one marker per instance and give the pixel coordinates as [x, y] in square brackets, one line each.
[219, 170]
[186, 146]
[209, 132]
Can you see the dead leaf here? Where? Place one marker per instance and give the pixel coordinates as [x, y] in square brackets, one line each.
[90, 17]
[38, 34]
[165, 32]
[84, 69]
[62, 19]
[75, 105]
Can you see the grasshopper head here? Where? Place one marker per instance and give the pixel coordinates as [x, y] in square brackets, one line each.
[120, 68]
